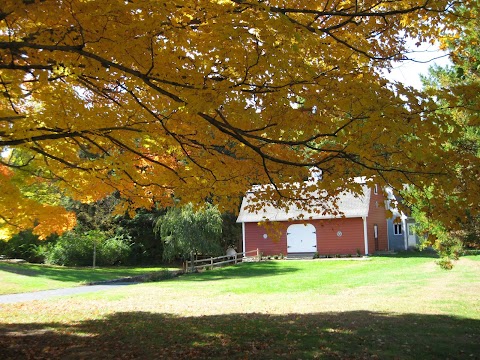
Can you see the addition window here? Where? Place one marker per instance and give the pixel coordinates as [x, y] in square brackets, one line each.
[397, 229]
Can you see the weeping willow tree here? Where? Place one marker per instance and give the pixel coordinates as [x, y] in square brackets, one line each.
[185, 230]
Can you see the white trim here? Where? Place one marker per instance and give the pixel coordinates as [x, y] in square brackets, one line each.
[365, 234]
[243, 236]
[405, 235]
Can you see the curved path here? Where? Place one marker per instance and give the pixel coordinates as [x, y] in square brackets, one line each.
[46, 294]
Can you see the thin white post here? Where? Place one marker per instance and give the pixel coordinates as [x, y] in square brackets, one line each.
[365, 234]
[243, 239]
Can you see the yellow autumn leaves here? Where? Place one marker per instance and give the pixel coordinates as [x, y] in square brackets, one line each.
[201, 99]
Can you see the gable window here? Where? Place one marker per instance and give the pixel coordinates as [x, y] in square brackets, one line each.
[397, 229]
[375, 189]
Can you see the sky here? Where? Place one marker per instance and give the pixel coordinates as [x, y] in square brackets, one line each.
[408, 72]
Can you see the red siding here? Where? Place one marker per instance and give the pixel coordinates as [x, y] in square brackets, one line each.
[377, 215]
[351, 239]
[254, 240]
[328, 242]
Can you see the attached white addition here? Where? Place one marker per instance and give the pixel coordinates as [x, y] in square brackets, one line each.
[301, 238]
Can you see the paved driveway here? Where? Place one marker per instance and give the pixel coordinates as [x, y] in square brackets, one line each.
[46, 294]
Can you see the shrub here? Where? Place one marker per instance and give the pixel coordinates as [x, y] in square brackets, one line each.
[25, 245]
[71, 249]
[445, 263]
[113, 251]
[75, 249]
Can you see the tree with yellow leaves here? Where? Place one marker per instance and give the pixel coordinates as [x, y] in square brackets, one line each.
[201, 99]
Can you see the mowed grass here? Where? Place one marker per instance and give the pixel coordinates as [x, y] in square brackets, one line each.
[384, 308]
[18, 278]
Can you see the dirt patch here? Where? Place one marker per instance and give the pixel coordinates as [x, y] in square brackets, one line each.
[13, 261]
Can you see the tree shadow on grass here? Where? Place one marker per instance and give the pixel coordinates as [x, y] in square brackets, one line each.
[346, 335]
[246, 270]
[52, 273]
[69, 275]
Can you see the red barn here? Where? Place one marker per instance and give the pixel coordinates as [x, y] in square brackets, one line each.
[359, 226]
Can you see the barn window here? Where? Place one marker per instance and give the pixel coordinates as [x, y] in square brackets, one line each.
[397, 229]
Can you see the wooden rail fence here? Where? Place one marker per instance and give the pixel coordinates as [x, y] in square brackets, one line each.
[210, 263]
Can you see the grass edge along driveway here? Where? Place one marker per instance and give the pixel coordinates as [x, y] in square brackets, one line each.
[24, 277]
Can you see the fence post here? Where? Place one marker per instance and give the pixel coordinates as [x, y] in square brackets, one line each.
[193, 266]
[258, 254]
[211, 263]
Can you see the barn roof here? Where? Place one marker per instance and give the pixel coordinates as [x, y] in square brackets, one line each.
[347, 205]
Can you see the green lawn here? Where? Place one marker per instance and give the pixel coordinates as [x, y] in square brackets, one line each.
[17, 278]
[383, 308]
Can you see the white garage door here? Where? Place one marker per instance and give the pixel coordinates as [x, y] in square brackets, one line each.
[301, 238]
